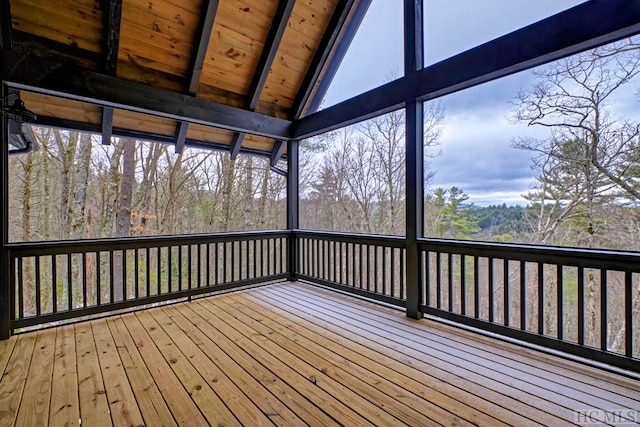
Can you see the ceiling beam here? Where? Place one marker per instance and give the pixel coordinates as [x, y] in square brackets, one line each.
[355, 20]
[43, 71]
[55, 122]
[5, 25]
[278, 25]
[112, 17]
[321, 56]
[276, 152]
[582, 27]
[201, 45]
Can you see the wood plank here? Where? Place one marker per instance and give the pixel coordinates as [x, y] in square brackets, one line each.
[148, 397]
[462, 403]
[94, 408]
[444, 369]
[14, 377]
[374, 388]
[277, 412]
[231, 395]
[209, 403]
[266, 374]
[65, 408]
[35, 411]
[72, 25]
[122, 403]
[6, 348]
[184, 410]
[548, 398]
[309, 381]
[510, 357]
[143, 122]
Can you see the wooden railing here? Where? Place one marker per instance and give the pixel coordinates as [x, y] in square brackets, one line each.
[580, 301]
[53, 281]
[367, 265]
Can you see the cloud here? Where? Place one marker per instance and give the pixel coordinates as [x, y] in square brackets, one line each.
[477, 155]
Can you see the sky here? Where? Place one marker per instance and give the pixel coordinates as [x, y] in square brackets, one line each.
[476, 140]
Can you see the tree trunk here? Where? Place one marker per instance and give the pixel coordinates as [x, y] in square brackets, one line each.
[77, 208]
[123, 222]
[112, 185]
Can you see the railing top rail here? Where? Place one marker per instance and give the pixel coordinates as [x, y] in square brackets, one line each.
[120, 243]
[571, 256]
[361, 238]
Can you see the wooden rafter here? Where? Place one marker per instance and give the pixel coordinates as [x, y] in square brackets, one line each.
[321, 57]
[276, 152]
[279, 24]
[42, 70]
[5, 25]
[339, 51]
[207, 17]
[553, 38]
[112, 17]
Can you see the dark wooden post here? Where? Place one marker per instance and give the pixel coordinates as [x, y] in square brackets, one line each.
[5, 291]
[292, 207]
[413, 47]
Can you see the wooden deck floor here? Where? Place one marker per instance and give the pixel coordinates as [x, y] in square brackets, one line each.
[290, 354]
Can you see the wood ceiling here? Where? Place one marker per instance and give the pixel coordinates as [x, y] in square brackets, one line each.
[230, 74]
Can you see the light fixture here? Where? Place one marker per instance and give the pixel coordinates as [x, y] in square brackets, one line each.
[21, 137]
[17, 111]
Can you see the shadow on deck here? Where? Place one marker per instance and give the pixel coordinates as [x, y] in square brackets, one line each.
[294, 354]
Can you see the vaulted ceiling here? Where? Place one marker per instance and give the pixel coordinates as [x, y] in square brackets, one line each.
[228, 74]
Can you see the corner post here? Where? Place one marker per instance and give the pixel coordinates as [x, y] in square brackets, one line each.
[293, 187]
[5, 290]
[414, 122]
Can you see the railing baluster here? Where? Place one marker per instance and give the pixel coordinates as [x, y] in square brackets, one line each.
[20, 266]
[450, 280]
[224, 262]
[476, 288]
[189, 266]
[438, 280]
[360, 265]
[69, 283]
[148, 271]
[255, 258]
[38, 286]
[233, 261]
[581, 305]
[240, 264]
[384, 270]
[628, 314]
[170, 269]
[125, 290]
[375, 269]
[136, 275]
[159, 268]
[505, 293]
[368, 279]
[98, 278]
[84, 279]
[523, 296]
[604, 318]
[402, 270]
[111, 290]
[426, 285]
[560, 301]
[540, 298]
[199, 266]
[491, 288]
[54, 283]
[463, 287]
